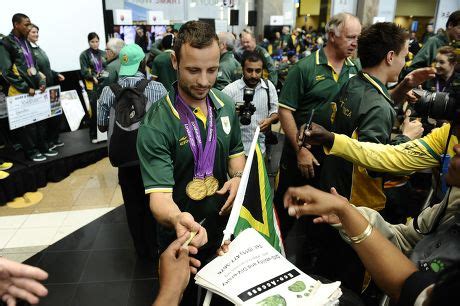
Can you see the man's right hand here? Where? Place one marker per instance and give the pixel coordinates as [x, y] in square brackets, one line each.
[31, 92]
[316, 135]
[305, 162]
[185, 224]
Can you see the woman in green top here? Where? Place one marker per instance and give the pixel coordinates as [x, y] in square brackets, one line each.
[52, 78]
[92, 63]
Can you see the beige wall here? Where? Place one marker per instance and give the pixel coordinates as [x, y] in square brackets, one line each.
[422, 8]
[310, 7]
[311, 21]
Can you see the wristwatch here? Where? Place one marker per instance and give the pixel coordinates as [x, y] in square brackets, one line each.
[237, 174]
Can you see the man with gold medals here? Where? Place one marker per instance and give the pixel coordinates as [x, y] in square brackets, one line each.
[19, 68]
[189, 144]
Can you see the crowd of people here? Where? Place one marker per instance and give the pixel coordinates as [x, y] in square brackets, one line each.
[204, 97]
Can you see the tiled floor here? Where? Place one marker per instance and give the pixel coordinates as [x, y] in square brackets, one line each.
[82, 197]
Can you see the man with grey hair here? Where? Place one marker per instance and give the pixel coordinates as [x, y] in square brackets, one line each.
[248, 43]
[110, 73]
[229, 68]
[312, 84]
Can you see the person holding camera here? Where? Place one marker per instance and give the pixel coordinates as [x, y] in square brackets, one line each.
[260, 107]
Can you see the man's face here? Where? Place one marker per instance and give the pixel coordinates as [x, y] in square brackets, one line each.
[109, 54]
[453, 171]
[196, 71]
[252, 73]
[347, 42]
[398, 62]
[453, 32]
[248, 42]
[23, 27]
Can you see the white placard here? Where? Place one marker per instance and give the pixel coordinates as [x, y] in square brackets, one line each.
[73, 109]
[24, 109]
[343, 6]
[277, 20]
[155, 18]
[221, 25]
[122, 17]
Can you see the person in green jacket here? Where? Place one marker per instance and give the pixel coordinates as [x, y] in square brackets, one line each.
[451, 36]
[229, 68]
[110, 74]
[248, 43]
[162, 69]
[52, 78]
[19, 68]
[92, 63]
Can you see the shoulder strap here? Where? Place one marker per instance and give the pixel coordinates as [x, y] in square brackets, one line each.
[116, 89]
[268, 94]
[142, 84]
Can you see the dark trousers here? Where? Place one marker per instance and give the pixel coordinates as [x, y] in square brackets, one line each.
[141, 223]
[92, 95]
[53, 128]
[31, 137]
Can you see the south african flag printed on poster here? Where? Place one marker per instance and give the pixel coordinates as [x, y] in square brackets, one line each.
[257, 209]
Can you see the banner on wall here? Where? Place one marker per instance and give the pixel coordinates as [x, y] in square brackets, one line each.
[156, 18]
[173, 9]
[343, 6]
[277, 20]
[445, 8]
[122, 17]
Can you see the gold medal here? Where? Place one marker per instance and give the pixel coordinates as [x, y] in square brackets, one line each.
[212, 184]
[32, 71]
[196, 189]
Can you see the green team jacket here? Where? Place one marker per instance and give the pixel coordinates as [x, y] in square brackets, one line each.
[229, 70]
[427, 54]
[44, 65]
[14, 67]
[87, 68]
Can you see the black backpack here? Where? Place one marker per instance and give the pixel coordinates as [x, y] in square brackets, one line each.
[125, 117]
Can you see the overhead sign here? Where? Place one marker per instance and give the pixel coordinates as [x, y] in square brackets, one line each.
[122, 17]
[277, 20]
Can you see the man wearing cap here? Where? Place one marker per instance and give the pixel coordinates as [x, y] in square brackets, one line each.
[188, 144]
[162, 68]
[140, 221]
[229, 68]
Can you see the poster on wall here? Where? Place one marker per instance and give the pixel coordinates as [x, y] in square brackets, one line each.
[343, 6]
[277, 20]
[445, 8]
[122, 17]
[155, 18]
[173, 9]
[24, 109]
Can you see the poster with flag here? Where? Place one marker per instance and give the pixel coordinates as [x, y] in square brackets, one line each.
[253, 206]
[257, 210]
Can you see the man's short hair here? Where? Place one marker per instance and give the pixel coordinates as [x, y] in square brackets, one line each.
[115, 45]
[197, 34]
[228, 39]
[167, 42]
[18, 17]
[379, 39]
[248, 31]
[251, 56]
[453, 20]
[336, 23]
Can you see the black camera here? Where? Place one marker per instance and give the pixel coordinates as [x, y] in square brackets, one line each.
[246, 109]
[437, 105]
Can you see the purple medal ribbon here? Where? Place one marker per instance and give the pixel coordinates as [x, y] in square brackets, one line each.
[204, 158]
[97, 63]
[26, 51]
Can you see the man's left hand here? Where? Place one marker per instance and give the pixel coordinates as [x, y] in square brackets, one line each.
[419, 76]
[61, 78]
[231, 186]
[265, 124]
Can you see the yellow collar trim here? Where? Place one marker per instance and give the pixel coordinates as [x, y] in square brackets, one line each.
[217, 98]
[377, 86]
[174, 111]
